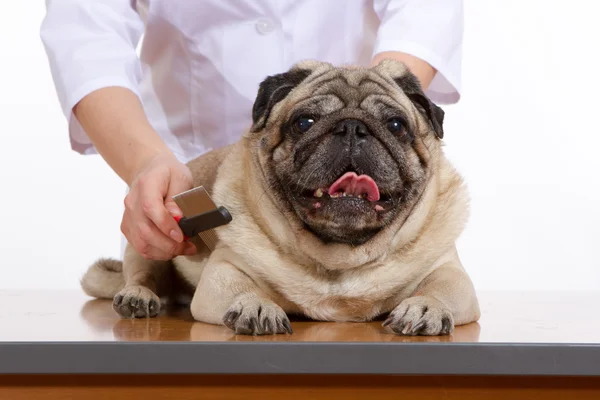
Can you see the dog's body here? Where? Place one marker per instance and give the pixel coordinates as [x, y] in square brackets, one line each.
[328, 258]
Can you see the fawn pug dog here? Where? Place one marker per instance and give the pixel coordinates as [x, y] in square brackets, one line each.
[344, 209]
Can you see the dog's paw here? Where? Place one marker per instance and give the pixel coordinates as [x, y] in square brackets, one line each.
[420, 315]
[136, 302]
[255, 316]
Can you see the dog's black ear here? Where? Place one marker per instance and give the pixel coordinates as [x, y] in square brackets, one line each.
[412, 88]
[271, 91]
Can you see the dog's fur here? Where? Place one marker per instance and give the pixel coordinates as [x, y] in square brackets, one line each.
[344, 262]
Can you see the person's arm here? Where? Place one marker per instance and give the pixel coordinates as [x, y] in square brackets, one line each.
[91, 51]
[422, 70]
[115, 122]
[427, 36]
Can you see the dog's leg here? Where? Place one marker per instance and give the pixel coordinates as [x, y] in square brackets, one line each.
[445, 298]
[227, 296]
[145, 280]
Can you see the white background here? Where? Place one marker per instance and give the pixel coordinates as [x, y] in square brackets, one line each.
[525, 135]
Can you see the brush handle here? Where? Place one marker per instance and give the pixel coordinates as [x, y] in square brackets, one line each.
[192, 226]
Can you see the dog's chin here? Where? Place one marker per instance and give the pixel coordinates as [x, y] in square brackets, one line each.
[344, 219]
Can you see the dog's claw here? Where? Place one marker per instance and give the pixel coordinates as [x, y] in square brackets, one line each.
[253, 316]
[136, 302]
[420, 315]
[288, 326]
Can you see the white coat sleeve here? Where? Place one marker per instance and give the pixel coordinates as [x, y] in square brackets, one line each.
[90, 44]
[431, 30]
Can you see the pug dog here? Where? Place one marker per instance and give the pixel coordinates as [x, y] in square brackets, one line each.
[344, 209]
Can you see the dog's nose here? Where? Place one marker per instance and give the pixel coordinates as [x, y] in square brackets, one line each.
[351, 127]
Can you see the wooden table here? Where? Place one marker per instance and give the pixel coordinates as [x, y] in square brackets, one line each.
[526, 345]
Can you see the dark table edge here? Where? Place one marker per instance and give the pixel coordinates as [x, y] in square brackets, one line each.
[512, 359]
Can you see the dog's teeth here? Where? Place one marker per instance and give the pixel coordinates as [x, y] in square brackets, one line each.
[334, 195]
[344, 194]
[319, 193]
[378, 208]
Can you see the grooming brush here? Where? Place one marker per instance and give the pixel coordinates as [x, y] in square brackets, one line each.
[200, 215]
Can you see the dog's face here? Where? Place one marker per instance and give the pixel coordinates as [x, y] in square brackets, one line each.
[347, 151]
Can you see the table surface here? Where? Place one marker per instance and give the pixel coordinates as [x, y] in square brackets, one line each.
[518, 333]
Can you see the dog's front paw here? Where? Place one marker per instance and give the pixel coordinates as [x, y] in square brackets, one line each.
[420, 315]
[256, 316]
[136, 302]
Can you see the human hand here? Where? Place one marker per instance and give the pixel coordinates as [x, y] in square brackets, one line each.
[148, 222]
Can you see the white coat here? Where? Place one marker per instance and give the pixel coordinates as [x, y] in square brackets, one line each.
[201, 61]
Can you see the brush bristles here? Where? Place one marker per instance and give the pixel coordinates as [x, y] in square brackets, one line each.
[209, 238]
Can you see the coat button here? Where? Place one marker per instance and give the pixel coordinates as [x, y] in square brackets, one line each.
[265, 26]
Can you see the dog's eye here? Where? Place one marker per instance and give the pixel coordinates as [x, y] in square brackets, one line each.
[395, 125]
[303, 124]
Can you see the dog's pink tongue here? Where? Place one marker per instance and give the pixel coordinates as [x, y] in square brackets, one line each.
[351, 183]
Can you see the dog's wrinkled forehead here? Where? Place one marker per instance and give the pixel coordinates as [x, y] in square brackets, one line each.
[354, 89]
[327, 88]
